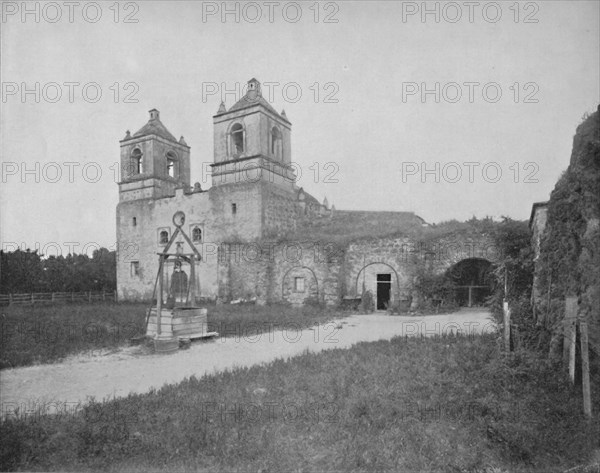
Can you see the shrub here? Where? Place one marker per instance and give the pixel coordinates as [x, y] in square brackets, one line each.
[368, 302]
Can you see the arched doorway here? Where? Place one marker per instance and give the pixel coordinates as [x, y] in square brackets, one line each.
[382, 280]
[473, 281]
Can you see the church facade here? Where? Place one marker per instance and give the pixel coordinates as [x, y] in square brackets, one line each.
[260, 236]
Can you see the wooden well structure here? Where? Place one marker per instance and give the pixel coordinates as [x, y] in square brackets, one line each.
[176, 317]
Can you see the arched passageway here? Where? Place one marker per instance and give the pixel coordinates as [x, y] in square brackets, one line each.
[472, 279]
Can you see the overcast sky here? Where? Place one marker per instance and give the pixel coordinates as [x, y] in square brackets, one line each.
[505, 96]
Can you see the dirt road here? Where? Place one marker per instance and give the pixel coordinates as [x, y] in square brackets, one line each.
[130, 370]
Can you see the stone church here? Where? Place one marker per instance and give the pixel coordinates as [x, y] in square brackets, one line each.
[260, 236]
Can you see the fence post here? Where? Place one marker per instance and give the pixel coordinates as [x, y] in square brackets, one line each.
[32, 299]
[514, 333]
[571, 333]
[585, 370]
[103, 295]
[90, 297]
[506, 311]
[10, 299]
[52, 296]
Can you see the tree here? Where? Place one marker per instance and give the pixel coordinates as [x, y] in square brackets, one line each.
[514, 276]
[21, 271]
[26, 271]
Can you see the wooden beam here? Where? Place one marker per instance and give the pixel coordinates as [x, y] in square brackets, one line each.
[159, 296]
[192, 280]
[158, 274]
[171, 240]
[506, 311]
[189, 242]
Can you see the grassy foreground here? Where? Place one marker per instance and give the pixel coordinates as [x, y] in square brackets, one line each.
[48, 333]
[405, 405]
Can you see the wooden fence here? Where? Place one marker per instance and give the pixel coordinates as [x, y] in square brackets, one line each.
[57, 297]
[575, 328]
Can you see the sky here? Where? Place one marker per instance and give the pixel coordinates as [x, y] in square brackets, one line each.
[447, 109]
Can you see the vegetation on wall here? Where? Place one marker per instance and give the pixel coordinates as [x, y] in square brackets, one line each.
[455, 228]
[433, 288]
[570, 247]
[569, 255]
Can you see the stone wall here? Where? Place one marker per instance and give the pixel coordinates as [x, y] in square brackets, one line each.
[243, 272]
[268, 271]
[281, 212]
[322, 275]
[140, 242]
[402, 257]
[444, 252]
[246, 223]
[367, 258]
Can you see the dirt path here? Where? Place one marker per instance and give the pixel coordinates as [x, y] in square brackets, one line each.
[129, 370]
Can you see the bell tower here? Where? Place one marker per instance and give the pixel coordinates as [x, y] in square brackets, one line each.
[153, 162]
[252, 142]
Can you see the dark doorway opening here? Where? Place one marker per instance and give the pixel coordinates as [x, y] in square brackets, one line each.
[384, 289]
[473, 282]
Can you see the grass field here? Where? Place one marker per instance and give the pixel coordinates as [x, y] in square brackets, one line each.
[48, 333]
[406, 405]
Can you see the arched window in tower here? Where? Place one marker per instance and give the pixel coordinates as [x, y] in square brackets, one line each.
[197, 235]
[171, 164]
[237, 139]
[136, 162]
[276, 143]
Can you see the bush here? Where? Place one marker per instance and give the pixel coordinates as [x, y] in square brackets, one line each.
[368, 302]
[314, 301]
